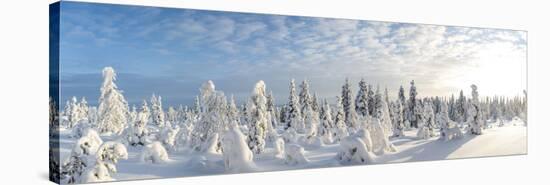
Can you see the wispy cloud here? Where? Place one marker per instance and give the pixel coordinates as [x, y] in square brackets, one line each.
[238, 49]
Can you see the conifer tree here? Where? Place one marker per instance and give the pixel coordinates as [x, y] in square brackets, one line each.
[113, 108]
[361, 101]
[294, 115]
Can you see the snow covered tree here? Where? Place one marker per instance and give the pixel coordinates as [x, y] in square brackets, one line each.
[145, 110]
[272, 111]
[53, 116]
[461, 108]
[397, 119]
[197, 106]
[379, 137]
[260, 125]
[78, 161]
[371, 100]
[112, 105]
[132, 115]
[54, 166]
[311, 121]
[404, 107]
[340, 130]
[244, 117]
[237, 157]
[283, 113]
[294, 114]
[326, 128]
[107, 157]
[93, 116]
[451, 107]
[73, 112]
[349, 108]
[84, 110]
[411, 115]
[305, 97]
[137, 133]
[429, 118]
[213, 118]
[315, 103]
[172, 116]
[361, 101]
[418, 113]
[386, 97]
[448, 128]
[157, 114]
[476, 122]
[382, 113]
[270, 102]
[232, 111]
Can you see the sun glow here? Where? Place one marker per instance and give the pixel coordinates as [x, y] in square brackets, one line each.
[499, 69]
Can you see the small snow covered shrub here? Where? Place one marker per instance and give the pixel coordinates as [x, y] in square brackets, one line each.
[107, 157]
[168, 137]
[154, 153]
[354, 151]
[423, 133]
[183, 137]
[237, 157]
[294, 155]
[78, 161]
[136, 133]
[88, 143]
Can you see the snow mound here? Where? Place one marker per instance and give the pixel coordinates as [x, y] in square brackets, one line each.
[203, 163]
[97, 173]
[237, 157]
[294, 155]
[279, 147]
[311, 142]
[354, 151]
[155, 153]
[452, 133]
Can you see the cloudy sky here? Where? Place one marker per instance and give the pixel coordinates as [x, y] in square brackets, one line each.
[170, 52]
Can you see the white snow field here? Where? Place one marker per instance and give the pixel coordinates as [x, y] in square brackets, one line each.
[508, 139]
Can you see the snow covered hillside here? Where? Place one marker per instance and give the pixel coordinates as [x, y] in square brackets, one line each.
[506, 140]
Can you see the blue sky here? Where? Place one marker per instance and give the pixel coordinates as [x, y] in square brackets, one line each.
[170, 52]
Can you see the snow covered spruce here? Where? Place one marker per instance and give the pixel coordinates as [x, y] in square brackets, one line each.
[360, 125]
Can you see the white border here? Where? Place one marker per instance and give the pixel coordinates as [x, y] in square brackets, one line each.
[24, 74]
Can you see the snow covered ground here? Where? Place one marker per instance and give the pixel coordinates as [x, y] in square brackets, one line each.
[510, 139]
